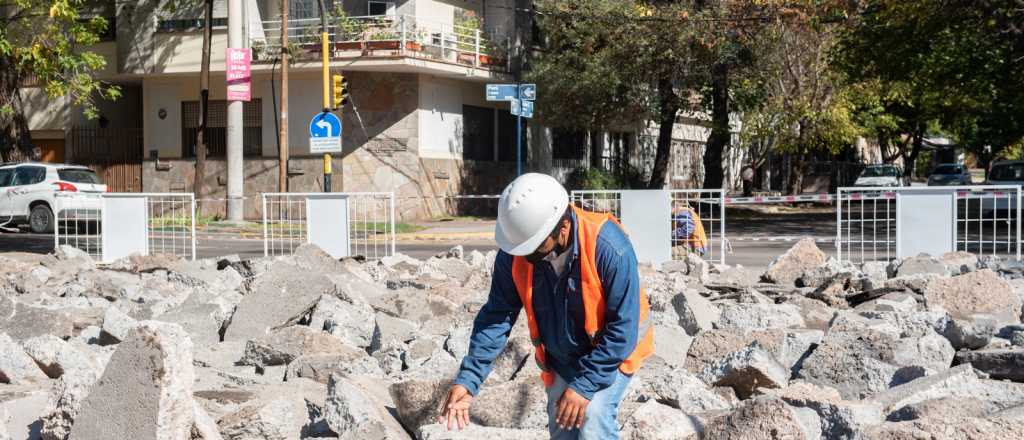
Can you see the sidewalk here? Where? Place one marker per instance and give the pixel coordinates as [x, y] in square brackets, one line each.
[451, 230]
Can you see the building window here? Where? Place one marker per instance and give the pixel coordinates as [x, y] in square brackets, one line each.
[216, 134]
[507, 137]
[380, 8]
[568, 144]
[477, 133]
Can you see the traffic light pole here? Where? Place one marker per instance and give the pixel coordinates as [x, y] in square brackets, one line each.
[325, 63]
[519, 134]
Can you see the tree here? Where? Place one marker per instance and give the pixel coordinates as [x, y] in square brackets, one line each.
[794, 100]
[46, 41]
[952, 63]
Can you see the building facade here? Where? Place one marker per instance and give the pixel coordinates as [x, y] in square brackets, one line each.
[418, 122]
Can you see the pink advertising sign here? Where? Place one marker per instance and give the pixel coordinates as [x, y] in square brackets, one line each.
[239, 73]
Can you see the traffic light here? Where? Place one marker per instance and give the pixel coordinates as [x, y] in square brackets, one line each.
[340, 91]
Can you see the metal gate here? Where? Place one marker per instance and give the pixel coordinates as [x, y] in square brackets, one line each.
[164, 223]
[872, 223]
[691, 210]
[343, 224]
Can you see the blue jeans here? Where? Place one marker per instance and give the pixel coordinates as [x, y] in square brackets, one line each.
[600, 422]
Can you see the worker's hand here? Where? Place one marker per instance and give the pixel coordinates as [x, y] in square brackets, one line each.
[572, 408]
[454, 410]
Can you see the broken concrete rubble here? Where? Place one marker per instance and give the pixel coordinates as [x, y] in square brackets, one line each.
[154, 366]
[320, 348]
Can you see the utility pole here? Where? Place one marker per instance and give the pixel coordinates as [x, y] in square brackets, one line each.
[282, 159]
[204, 106]
[236, 200]
[325, 62]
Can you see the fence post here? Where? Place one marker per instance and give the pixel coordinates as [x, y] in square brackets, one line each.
[1018, 223]
[265, 241]
[193, 198]
[721, 207]
[839, 224]
[394, 234]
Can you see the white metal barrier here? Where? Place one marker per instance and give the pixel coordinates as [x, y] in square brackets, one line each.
[880, 224]
[685, 206]
[109, 226]
[343, 224]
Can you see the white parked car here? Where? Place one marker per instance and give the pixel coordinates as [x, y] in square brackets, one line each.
[880, 175]
[28, 192]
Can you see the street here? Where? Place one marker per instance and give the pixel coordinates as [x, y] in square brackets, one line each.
[753, 240]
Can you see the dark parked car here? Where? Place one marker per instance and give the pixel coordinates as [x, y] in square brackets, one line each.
[949, 174]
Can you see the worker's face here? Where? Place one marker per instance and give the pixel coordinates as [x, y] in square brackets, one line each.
[556, 242]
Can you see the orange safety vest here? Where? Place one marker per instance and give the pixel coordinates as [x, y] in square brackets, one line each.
[588, 225]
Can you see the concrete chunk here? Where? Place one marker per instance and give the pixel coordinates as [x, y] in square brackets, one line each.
[281, 346]
[758, 417]
[1007, 363]
[272, 419]
[347, 321]
[747, 371]
[417, 400]
[474, 432]
[352, 414]
[972, 293]
[785, 269]
[759, 316]
[320, 367]
[695, 312]
[279, 298]
[16, 367]
[654, 421]
[116, 326]
[154, 367]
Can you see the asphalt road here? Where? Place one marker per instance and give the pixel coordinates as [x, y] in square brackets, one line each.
[746, 252]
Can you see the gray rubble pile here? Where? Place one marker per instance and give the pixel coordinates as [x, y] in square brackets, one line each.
[307, 346]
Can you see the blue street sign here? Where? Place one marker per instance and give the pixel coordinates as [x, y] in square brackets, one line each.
[501, 92]
[528, 92]
[325, 125]
[526, 109]
[515, 107]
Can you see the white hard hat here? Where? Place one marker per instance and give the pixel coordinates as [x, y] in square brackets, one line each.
[528, 211]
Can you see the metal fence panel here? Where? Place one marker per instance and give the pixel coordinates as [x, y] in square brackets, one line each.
[371, 222]
[170, 223]
[987, 221]
[707, 205]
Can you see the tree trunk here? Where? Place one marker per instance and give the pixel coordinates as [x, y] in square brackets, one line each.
[910, 159]
[596, 148]
[796, 175]
[204, 106]
[668, 107]
[719, 137]
[15, 136]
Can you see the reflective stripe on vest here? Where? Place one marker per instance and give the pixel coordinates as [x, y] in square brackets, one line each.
[588, 225]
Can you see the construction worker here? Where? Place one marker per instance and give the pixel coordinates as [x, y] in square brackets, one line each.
[575, 274]
[688, 230]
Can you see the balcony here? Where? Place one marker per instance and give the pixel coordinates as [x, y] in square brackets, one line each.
[387, 37]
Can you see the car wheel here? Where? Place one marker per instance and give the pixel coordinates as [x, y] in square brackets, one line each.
[40, 220]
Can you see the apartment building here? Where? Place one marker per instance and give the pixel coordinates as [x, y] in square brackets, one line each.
[418, 123]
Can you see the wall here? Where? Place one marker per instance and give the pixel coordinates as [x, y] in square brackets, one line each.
[44, 112]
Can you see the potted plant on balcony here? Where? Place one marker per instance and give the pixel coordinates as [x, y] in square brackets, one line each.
[466, 29]
[493, 54]
[414, 38]
[383, 35]
[348, 31]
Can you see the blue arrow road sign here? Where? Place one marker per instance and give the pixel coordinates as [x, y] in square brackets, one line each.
[325, 125]
[526, 108]
[528, 92]
[501, 92]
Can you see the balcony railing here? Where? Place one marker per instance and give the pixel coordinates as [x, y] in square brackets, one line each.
[386, 36]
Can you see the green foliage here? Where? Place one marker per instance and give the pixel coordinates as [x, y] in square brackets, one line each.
[347, 28]
[466, 26]
[596, 179]
[955, 63]
[48, 39]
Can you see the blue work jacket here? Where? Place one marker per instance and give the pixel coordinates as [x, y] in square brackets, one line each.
[587, 366]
